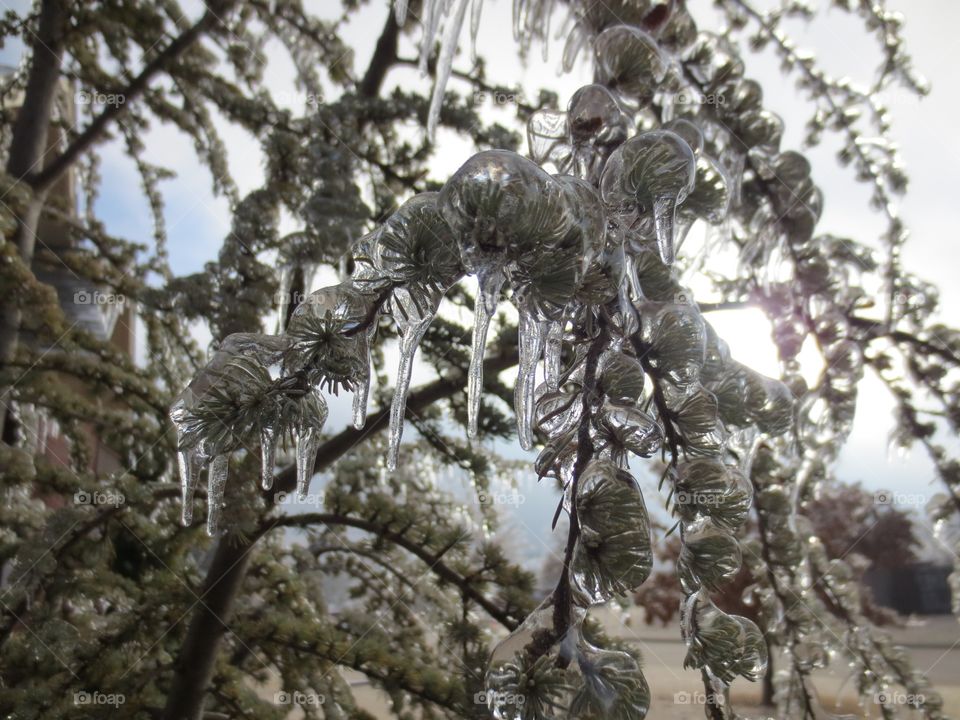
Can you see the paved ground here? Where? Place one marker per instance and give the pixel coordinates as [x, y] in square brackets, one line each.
[934, 644]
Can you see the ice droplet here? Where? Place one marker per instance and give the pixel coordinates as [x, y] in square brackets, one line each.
[448, 48]
[532, 339]
[490, 283]
[216, 484]
[268, 448]
[308, 440]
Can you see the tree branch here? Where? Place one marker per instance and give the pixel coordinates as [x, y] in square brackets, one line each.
[384, 56]
[434, 563]
[345, 440]
[93, 132]
[195, 663]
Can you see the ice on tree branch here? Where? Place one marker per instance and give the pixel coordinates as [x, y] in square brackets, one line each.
[582, 238]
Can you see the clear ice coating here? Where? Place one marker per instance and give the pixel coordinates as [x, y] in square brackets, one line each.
[650, 175]
[194, 451]
[613, 554]
[630, 60]
[552, 244]
[509, 214]
[538, 673]
[724, 645]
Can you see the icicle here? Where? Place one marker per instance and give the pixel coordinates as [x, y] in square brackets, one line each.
[547, 16]
[268, 448]
[448, 47]
[683, 229]
[411, 334]
[308, 440]
[664, 217]
[475, 12]
[216, 484]
[400, 11]
[490, 283]
[431, 20]
[551, 354]
[361, 392]
[531, 348]
[187, 460]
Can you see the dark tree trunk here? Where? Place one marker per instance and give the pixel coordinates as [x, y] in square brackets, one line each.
[28, 146]
[198, 654]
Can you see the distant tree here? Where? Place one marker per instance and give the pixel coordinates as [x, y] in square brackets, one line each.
[849, 519]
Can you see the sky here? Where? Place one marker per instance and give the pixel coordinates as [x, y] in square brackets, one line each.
[925, 129]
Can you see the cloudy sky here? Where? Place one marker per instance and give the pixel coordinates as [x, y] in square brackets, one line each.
[197, 221]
